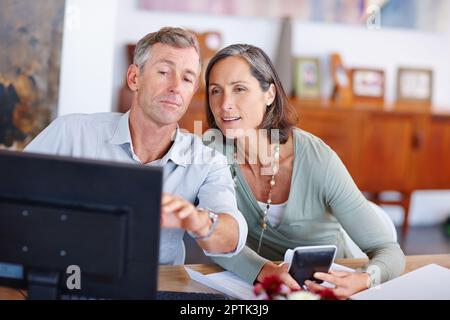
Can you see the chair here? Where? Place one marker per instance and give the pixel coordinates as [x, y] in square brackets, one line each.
[355, 251]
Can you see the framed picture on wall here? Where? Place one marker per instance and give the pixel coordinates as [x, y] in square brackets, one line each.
[368, 84]
[30, 68]
[307, 77]
[414, 85]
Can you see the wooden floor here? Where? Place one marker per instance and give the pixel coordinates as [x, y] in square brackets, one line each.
[426, 240]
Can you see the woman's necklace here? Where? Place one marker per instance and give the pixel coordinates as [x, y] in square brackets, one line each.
[275, 168]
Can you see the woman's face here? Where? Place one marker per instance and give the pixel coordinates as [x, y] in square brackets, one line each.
[236, 98]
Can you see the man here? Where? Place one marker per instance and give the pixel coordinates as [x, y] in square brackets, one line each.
[163, 78]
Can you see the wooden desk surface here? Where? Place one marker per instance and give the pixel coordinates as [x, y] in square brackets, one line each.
[175, 278]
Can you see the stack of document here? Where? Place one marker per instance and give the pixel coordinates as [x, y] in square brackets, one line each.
[225, 282]
[431, 282]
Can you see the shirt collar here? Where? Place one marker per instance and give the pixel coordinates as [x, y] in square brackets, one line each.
[179, 152]
[122, 134]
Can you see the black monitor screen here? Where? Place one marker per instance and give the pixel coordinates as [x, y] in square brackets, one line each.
[63, 217]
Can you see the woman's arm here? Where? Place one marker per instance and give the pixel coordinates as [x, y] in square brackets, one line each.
[362, 224]
[247, 264]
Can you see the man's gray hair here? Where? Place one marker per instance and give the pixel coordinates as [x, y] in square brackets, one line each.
[174, 37]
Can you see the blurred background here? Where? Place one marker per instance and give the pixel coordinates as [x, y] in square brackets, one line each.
[371, 78]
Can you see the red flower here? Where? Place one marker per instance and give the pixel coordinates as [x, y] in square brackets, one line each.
[272, 288]
[272, 285]
[327, 294]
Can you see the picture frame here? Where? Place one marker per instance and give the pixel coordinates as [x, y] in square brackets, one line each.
[29, 69]
[415, 85]
[307, 78]
[368, 84]
[341, 84]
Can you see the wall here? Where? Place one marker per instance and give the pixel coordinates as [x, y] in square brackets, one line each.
[359, 46]
[87, 56]
[94, 60]
[132, 24]
[384, 49]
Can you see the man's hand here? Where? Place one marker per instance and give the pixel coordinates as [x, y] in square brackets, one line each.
[179, 213]
[347, 283]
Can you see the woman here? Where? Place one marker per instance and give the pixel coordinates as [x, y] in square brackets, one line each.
[294, 190]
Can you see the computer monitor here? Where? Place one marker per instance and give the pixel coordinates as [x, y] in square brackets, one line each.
[58, 214]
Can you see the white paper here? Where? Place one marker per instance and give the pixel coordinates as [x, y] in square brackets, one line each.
[225, 282]
[431, 282]
[340, 267]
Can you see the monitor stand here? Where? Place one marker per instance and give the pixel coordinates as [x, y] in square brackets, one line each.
[43, 285]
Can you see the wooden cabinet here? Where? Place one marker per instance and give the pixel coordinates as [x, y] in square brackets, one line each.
[431, 159]
[195, 115]
[385, 140]
[338, 129]
[385, 150]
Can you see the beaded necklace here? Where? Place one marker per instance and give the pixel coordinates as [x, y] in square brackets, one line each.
[275, 168]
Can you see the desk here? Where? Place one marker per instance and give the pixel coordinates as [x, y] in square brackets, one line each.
[175, 278]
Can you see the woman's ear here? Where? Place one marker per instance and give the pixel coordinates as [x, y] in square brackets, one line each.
[271, 94]
[132, 77]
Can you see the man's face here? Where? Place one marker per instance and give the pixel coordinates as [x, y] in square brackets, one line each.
[167, 82]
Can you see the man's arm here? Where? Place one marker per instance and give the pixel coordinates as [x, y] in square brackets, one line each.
[221, 236]
[216, 195]
[224, 238]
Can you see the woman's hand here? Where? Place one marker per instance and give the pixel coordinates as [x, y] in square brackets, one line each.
[281, 271]
[347, 283]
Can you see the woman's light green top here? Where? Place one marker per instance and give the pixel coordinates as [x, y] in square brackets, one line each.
[323, 198]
